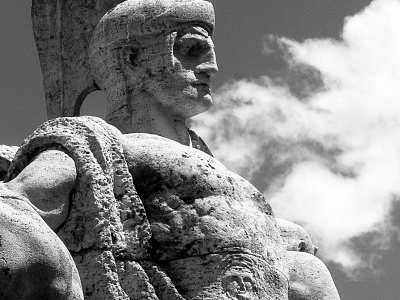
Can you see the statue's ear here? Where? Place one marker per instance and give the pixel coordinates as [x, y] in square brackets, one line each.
[134, 56]
[170, 56]
[130, 55]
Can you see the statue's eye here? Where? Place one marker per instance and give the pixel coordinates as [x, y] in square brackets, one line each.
[191, 48]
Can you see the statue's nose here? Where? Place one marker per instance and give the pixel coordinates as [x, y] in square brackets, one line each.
[242, 290]
[240, 282]
[209, 64]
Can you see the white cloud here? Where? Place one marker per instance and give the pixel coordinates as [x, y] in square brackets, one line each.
[331, 160]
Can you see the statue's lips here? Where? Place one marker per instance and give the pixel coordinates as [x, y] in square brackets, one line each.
[201, 84]
[202, 87]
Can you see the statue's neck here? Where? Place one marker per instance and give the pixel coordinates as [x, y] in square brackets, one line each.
[149, 116]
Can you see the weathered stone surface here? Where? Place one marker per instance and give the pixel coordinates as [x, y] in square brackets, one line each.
[153, 219]
[209, 232]
[154, 60]
[190, 197]
[106, 220]
[62, 30]
[309, 278]
[144, 215]
[46, 184]
[207, 222]
[34, 263]
[295, 237]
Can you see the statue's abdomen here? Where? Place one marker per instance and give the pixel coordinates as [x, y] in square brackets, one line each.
[209, 225]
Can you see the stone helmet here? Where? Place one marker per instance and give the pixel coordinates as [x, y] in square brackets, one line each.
[134, 40]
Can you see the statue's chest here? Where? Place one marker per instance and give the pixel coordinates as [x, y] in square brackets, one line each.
[184, 171]
[163, 166]
[194, 204]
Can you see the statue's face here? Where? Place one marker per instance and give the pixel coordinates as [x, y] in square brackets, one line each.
[185, 91]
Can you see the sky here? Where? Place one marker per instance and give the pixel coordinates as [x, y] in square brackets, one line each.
[305, 107]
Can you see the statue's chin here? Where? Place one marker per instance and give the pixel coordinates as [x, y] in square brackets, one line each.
[194, 101]
[196, 107]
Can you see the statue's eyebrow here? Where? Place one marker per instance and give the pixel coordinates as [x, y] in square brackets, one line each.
[199, 30]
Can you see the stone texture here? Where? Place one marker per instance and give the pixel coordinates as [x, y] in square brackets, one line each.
[144, 215]
[210, 226]
[106, 221]
[309, 278]
[193, 229]
[62, 31]
[295, 237]
[154, 61]
[46, 183]
[34, 263]
[150, 218]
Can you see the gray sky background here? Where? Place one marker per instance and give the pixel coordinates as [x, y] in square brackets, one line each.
[269, 71]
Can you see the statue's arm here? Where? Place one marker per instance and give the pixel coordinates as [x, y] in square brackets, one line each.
[47, 183]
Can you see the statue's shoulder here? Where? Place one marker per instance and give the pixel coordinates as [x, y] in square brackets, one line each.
[155, 162]
[167, 156]
[140, 146]
[141, 139]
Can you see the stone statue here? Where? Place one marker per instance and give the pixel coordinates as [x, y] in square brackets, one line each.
[143, 208]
